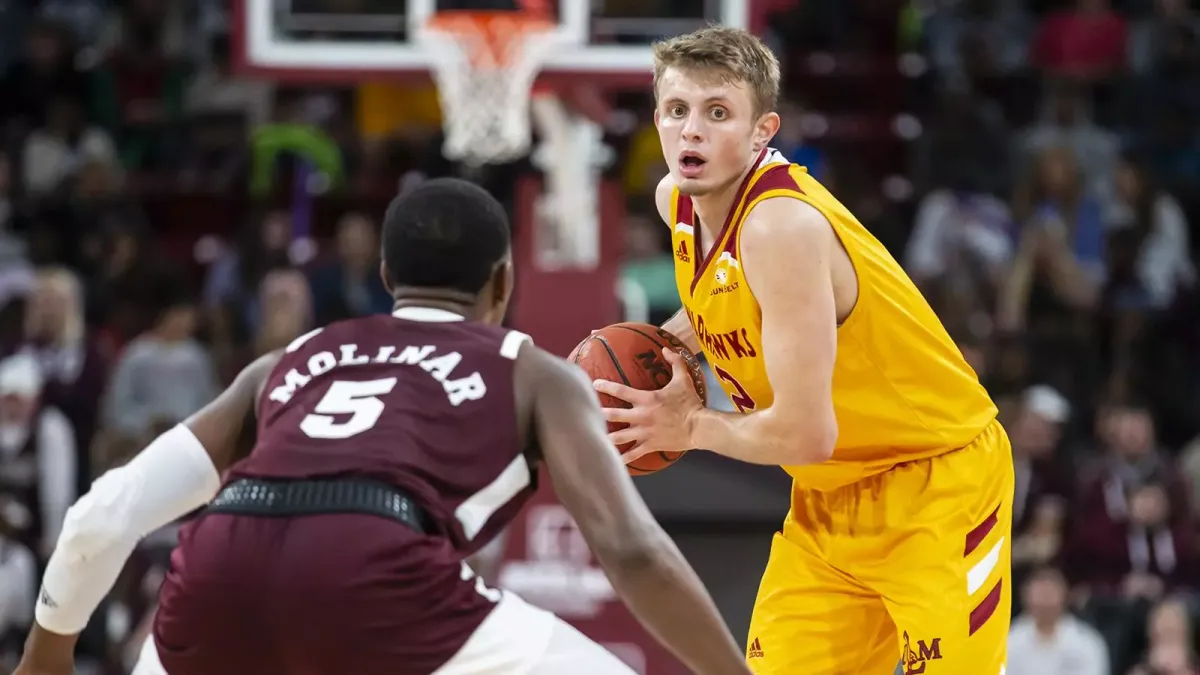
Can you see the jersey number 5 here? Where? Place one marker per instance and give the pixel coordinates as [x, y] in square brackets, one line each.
[359, 400]
[740, 398]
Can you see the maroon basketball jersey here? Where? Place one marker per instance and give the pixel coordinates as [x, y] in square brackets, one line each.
[420, 400]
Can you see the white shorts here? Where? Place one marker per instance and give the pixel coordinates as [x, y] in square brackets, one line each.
[515, 639]
[520, 639]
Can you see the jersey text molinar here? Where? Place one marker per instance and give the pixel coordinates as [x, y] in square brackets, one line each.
[440, 366]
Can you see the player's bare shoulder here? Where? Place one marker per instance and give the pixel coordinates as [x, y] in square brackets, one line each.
[789, 236]
[774, 220]
[259, 371]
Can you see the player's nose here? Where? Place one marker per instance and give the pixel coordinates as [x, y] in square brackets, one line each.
[693, 127]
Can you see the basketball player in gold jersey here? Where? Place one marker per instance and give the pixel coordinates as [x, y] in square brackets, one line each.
[896, 546]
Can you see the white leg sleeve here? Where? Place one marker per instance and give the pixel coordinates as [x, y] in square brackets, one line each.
[573, 652]
[520, 639]
[148, 663]
[18, 585]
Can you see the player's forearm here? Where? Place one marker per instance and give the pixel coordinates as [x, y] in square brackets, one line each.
[663, 592]
[679, 326]
[766, 437]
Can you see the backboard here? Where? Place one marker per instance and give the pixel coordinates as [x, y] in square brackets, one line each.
[352, 40]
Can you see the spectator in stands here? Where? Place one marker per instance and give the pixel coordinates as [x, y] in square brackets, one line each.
[285, 300]
[140, 87]
[130, 282]
[231, 287]
[960, 249]
[1046, 640]
[18, 592]
[1087, 42]
[791, 141]
[1150, 242]
[37, 459]
[349, 285]
[1174, 148]
[1000, 27]
[146, 392]
[1171, 649]
[1054, 284]
[16, 282]
[1134, 533]
[57, 149]
[1039, 504]
[85, 19]
[46, 72]
[1066, 123]
[1160, 43]
[217, 90]
[1189, 464]
[74, 369]
[965, 146]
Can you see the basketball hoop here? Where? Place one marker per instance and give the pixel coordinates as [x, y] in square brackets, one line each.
[484, 65]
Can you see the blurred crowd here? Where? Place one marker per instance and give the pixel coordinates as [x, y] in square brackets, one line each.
[1035, 165]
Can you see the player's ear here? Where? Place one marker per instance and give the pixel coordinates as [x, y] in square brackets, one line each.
[656, 114]
[502, 281]
[385, 277]
[765, 129]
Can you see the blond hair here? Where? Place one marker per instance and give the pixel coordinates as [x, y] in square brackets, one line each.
[64, 281]
[729, 55]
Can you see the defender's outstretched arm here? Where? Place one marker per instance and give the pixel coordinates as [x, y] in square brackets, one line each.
[178, 472]
[647, 570]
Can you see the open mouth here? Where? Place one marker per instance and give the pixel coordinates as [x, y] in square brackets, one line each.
[691, 162]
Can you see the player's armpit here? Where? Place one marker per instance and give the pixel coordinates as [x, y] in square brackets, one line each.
[786, 254]
[645, 567]
[221, 426]
[679, 326]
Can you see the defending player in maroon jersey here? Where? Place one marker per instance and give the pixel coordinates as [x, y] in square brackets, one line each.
[388, 449]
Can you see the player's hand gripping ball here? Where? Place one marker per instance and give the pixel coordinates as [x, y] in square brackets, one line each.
[650, 385]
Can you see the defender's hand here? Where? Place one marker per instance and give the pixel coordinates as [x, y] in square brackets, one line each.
[659, 421]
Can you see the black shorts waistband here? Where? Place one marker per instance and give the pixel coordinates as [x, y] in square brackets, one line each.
[273, 498]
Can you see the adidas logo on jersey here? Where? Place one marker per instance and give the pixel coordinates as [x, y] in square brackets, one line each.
[682, 252]
[755, 651]
[47, 600]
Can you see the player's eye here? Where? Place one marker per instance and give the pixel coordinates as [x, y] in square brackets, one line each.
[718, 113]
[677, 111]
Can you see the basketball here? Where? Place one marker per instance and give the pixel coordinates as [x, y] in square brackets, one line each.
[631, 353]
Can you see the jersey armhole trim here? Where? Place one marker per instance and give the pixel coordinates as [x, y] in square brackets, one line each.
[511, 347]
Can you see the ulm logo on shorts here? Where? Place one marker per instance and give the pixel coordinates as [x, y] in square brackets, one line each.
[915, 661]
[755, 651]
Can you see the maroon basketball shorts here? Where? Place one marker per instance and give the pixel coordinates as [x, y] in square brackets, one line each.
[320, 595]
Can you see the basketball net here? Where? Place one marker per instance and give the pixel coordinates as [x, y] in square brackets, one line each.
[485, 65]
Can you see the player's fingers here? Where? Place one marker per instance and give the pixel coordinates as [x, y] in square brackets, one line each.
[628, 394]
[679, 366]
[625, 415]
[636, 453]
[623, 436]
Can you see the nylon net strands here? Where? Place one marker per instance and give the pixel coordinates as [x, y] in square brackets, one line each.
[484, 65]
